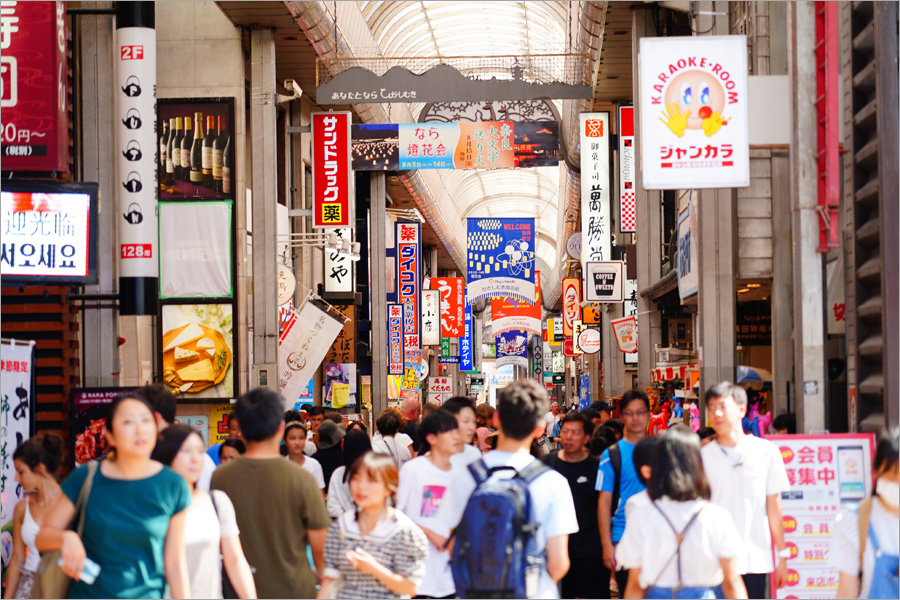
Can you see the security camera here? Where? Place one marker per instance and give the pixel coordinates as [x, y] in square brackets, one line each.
[294, 88]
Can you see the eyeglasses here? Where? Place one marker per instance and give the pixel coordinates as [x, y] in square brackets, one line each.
[634, 414]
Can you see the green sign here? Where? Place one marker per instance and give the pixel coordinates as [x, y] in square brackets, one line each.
[558, 379]
[445, 347]
[477, 384]
[488, 351]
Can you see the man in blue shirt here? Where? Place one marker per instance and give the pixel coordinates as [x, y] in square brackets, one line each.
[635, 410]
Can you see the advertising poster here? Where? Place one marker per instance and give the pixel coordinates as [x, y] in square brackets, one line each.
[453, 293]
[625, 331]
[340, 379]
[604, 281]
[302, 345]
[218, 422]
[627, 204]
[500, 257]
[89, 406]
[828, 473]
[584, 396]
[595, 194]
[198, 350]
[571, 304]
[16, 418]
[686, 262]
[195, 248]
[196, 152]
[395, 339]
[407, 241]
[512, 348]
[198, 422]
[694, 112]
[431, 318]
[332, 179]
[466, 343]
[511, 313]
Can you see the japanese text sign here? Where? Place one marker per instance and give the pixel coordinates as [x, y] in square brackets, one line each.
[511, 313]
[431, 326]
[466, 354]
[630, 306]
[440, 385]
[500, 256]
[827, 473]
[338, 267]
[512, 348]
[303, 342]
[571, 303]
[16, 371]
[343, 349]
[480, 145]
[407, 241]
[332, 172]
[626, 333]
[694, 112]
[627, 203]
[34, 130]
[395, 339]
[595, 224]
[218, 422]
[453, 294]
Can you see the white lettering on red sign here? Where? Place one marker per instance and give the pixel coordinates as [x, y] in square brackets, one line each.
[132, 53]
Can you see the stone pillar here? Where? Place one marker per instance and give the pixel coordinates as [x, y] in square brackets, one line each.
[784, 392]
[378, 296]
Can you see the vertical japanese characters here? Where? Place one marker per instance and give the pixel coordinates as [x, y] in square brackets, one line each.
[332, 173]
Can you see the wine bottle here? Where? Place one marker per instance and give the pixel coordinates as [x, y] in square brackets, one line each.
[197, 151]
[226, 167]
[169, 167]
[208, 141]
[186, 143]
[163, 147]
[173, 152]
[217, 150]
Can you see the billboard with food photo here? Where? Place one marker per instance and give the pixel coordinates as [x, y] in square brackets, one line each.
[89, 407]
[198, 350]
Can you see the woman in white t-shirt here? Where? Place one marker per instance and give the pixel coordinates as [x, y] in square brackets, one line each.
[295, 442]
[392, 441]
[880, 555]
[680, 545]
[210, 526]
[340, 500]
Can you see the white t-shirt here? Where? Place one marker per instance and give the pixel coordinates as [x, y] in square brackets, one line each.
[465, 458]
[551, 504]
[314, 468]
[203, 533]
[550, 419]
[309, 448]
[740, 479]
[396, 446]
[648, 543]
[339, 498]
[844, 552]
[637, 502]
[421, 489]
[209, 465]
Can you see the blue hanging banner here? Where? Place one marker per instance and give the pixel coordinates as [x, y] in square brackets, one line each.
[584, 400]
[512, 348]
[500, 259]
[466, 357]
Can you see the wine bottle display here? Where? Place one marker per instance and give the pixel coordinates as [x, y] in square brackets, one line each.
[208, 141]
[163, 147]
[169, 173]
[186, 144]
[174, 152]
[197, 151]
[226, 169]
[217, 154]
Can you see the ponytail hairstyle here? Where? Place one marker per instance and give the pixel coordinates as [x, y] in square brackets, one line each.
[44, 449]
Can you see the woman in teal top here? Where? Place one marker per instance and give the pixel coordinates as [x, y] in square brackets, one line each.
[134, 518]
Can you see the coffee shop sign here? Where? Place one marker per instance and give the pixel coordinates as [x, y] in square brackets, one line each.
[382, 94]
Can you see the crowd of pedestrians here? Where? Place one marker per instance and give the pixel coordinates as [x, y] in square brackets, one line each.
[528, 500]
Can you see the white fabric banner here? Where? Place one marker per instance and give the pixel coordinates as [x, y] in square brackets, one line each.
[195, 249]
[305, 339]
[595, 195]
[16, 365]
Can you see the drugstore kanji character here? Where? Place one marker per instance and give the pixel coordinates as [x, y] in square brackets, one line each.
[331, 213]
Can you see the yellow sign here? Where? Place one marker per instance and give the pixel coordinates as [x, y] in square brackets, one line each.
[218, 422]
[340, 395]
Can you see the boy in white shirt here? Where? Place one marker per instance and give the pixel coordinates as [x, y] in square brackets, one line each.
[423, 483]
[463, 408]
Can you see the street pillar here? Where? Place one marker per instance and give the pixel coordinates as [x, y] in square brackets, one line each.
[378, 295]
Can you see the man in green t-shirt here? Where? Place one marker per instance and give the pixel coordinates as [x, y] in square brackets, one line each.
[279, 506]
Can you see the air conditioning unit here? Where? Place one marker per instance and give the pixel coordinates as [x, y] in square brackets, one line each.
[674, 356]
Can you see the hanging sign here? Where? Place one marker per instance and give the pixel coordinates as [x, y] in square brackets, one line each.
[512, 348]
[500, 258]
[447, 356]
[16, 417]
[595, 225]
[577, 328]
[589, 340]
[431, 315]
[407, 241]
[604, 281]
[510, 313]
[343, 350]
[287, 284]
[332, 178]
[338, 267]
[34, 132]
[827, 473]
[440, 385]
[627, 204]
[573, 245]
[584, 393]
[466, 355]
[453, 294]
[626, 333]
[302, 345]
[686, 262]
[631, 358]
[694, 125]
[571, 303]
[568, 348]
[395, 339]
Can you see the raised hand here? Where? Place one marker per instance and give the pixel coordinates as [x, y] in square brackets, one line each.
[713, 123]
[675, 121]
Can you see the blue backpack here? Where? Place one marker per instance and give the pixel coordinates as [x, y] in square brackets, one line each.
[495, 554]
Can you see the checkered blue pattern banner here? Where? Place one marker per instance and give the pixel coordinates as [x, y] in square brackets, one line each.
[500, 257]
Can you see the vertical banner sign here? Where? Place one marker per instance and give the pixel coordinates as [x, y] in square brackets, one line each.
[332, 174]
[571, 303]
[512, 349]
[595, 229]
[584, 397]
[431, 315]
[627, 204]
[16, 392]
[694, 112]
[828, 474]
[453, 292]
[631, 358]
[500, 258]
[511, 313]
[625, 331]
[34, 133]
[395, 339]
[688, 270]
[407, 241]
[537, 359]
[338, 268]
[136, 156]
[466, 356]
[305, 339]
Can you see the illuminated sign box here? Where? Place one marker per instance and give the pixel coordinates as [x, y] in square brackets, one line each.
[48, 232]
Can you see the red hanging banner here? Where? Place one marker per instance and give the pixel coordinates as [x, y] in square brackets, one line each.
[332, 172]
[453, 304]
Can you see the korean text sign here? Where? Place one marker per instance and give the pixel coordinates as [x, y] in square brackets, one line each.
[827, 473]
[595, 224]
[33, 64]
[332, 173]
[694, 112]
[408, 244]
[395, 339]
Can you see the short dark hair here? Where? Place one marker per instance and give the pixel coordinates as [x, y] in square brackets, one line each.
[786, 421]
[617, 426]
[632, 395]
[676, 469]
[455, 404]
[357, 424]
[288, 426]
[231, 418]
[334, 415]
[118, 400]
[643, 455]
[578, 417]
[886, 451]
[603, 438]
[388, 422]
[170, 441]
[356, 443]
[591, 413]
[723, 389]
[601, 406]
[522, 405]
[232, 443]
[429, 407]
[44, 449]
[292, 415]
[314, 411]
[162, 400]
[706, 432]
[439, 421]
[260, 413]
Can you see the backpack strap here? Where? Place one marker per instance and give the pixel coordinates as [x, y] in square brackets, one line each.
[615, 461]
[84, 494]
[679, 538]
[480, 471]
[863, 517]
[532, 471]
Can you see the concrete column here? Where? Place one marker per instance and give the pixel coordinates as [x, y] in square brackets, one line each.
[784, 392]
[378, 296]
[265, 178]
[809, 320]
[615, 381]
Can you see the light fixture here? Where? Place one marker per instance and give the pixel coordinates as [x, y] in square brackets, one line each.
[743, 291]
[754, 285]
[332, 244]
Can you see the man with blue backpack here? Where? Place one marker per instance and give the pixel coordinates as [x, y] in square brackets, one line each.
[508, 515]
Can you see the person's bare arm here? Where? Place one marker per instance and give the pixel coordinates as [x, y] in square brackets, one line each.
[776, 526]
[18, 553]
[604, 519]
[316, 539]
[364, 562]
[175, 558]
[733, 584]
[558, 557]
[55, 535]
[438, 540]
[237, 567]
[324, 588]
[633, 587]
[848, 586]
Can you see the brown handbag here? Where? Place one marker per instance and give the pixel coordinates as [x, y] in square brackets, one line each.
[49, 580]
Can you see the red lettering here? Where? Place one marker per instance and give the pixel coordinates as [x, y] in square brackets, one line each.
[654, 100]
[724, 75]
[702, 62]
[681, 63]
[663, 77]
[692, 61]
[717, 68]
[732, 97]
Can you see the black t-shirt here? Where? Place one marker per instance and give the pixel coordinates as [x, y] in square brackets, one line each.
[582, 477]
[410, 430]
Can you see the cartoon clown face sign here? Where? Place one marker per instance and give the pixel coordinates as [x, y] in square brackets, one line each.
[693, 109]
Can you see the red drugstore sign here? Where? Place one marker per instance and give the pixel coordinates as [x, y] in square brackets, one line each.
[395, 339]
[34, 131]
[571, 308]
[407, 241]
[332, 169]
[453, 301]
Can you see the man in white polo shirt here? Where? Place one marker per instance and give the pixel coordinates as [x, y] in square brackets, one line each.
[747, 476]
